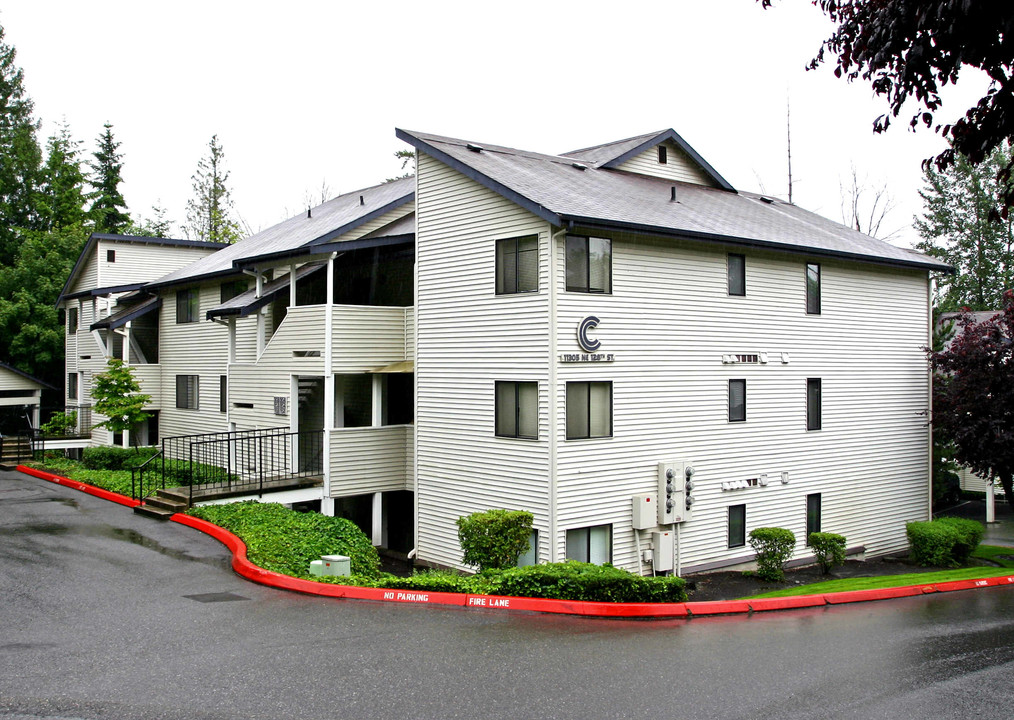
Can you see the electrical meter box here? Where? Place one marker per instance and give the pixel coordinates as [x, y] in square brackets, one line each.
[643, 510]
[663, 551]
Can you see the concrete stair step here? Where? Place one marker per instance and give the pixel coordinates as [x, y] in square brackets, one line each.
[166, 504]
[154, 512]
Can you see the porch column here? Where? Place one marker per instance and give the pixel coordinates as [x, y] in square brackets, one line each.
[377, 525]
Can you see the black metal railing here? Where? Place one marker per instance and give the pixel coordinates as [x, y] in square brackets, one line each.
[19, 447]
[237, 461]
[79, 421]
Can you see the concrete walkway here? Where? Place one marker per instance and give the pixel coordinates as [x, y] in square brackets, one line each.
[1000, 532]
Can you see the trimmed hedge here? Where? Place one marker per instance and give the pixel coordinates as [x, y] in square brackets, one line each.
[109, 457]
[431, 580]
[574, 580]
[494, 539]
[773, 546]
[829, 549]
[286, 541]
[946, 542]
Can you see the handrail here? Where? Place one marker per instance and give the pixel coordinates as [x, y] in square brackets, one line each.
[137, 473]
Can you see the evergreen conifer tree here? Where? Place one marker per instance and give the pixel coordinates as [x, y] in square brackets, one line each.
[108, 209]
[20, 156]
[62, 192]
[209, 211]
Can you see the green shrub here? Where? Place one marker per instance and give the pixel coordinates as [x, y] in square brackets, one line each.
[432, 580]
[829, 549]
[933, 543]
[773, 547]
[60, 423]
[494, 539]
[285, 541]
[970, 534]
[573, 580]
[110, 457]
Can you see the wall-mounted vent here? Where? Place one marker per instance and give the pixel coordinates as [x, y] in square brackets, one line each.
[281, 405]
[243, 406]
[305, 353]
[744, 358]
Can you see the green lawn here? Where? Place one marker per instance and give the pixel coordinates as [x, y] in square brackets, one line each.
[985, 552]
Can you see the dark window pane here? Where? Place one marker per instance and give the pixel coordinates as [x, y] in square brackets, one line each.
[813, 288]
[737, 274]
[600, 263]
[812, 515]
[577, 263]
[528, 264]
[737, 400]
[577, 410]
[737, 526]
[663, 155]
[506, 423]
[813, 411]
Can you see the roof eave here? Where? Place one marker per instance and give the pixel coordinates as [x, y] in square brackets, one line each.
[597, 223]
[481, 178]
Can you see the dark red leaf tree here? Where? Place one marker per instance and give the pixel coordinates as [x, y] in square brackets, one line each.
[909, 49]
[973, 394]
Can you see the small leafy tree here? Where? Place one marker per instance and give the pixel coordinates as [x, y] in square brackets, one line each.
[60, 423]
[118, 396]
[773, 547]
[973, 395]
[494, 539]
[829, 549]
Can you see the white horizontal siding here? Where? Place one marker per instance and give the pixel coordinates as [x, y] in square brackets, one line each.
[141, 262]
[679, 165]
[468, 337]
[670, 320]
[367, 337]
[149, 377]
[370, 459]
[379, 222]
[88, 278]
[199, 348]
[12, 381]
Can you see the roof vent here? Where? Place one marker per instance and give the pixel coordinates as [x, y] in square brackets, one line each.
[308, 215]
[361, 201]
[474, 148]
[579, 166]
[672, 198]
[766, 199]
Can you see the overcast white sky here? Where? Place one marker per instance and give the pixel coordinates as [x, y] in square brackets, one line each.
[305, 93]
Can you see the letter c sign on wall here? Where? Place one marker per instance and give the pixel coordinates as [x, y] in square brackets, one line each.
[588, 344]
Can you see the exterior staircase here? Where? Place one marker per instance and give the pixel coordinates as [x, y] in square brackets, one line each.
[164, 503]
[13, 449]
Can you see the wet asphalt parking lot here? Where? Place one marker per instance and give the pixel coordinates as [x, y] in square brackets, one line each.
[105, 614]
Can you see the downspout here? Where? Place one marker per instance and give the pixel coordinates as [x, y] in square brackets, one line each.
[929, 389]
[328, 379]
[554, 544]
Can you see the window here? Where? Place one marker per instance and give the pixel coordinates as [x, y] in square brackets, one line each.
[812, 289]
[110, 256]
[737, 526]
[663, 155]
[187, 308]
[737, 274]
[517, 410]
[812, 515]
[737, 401]
[813, 403]
[223, 393]
[531, 555]
[589, 410]
[72, 386]
[72, 320]
[591, 544]
[517, 265]
[231, 289]
[187, 391]
[589, 264]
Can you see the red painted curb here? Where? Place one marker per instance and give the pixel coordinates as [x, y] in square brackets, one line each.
[83, 487]
[248, 570]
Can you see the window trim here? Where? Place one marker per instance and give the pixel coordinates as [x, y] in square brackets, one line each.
[819, 513]
[814, 395]
[586, 287]
[110, 256]
[740, 507]
[73, 386]
[741, 274]
[189, 300]
[189, 388]
[500, 284]
[589, 383]
[812, 289]
[497, 430]
[737, 418]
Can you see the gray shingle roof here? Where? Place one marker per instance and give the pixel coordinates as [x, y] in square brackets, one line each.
[326, 222]
[552, 188]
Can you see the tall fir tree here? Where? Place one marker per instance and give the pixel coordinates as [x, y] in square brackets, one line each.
[959, 227]
[209, 211]
[155, 226]
[62, 191]
[20, 156]
[108, 208]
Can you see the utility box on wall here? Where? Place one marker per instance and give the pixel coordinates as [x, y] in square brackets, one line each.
[662, 551]
[643, 513]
